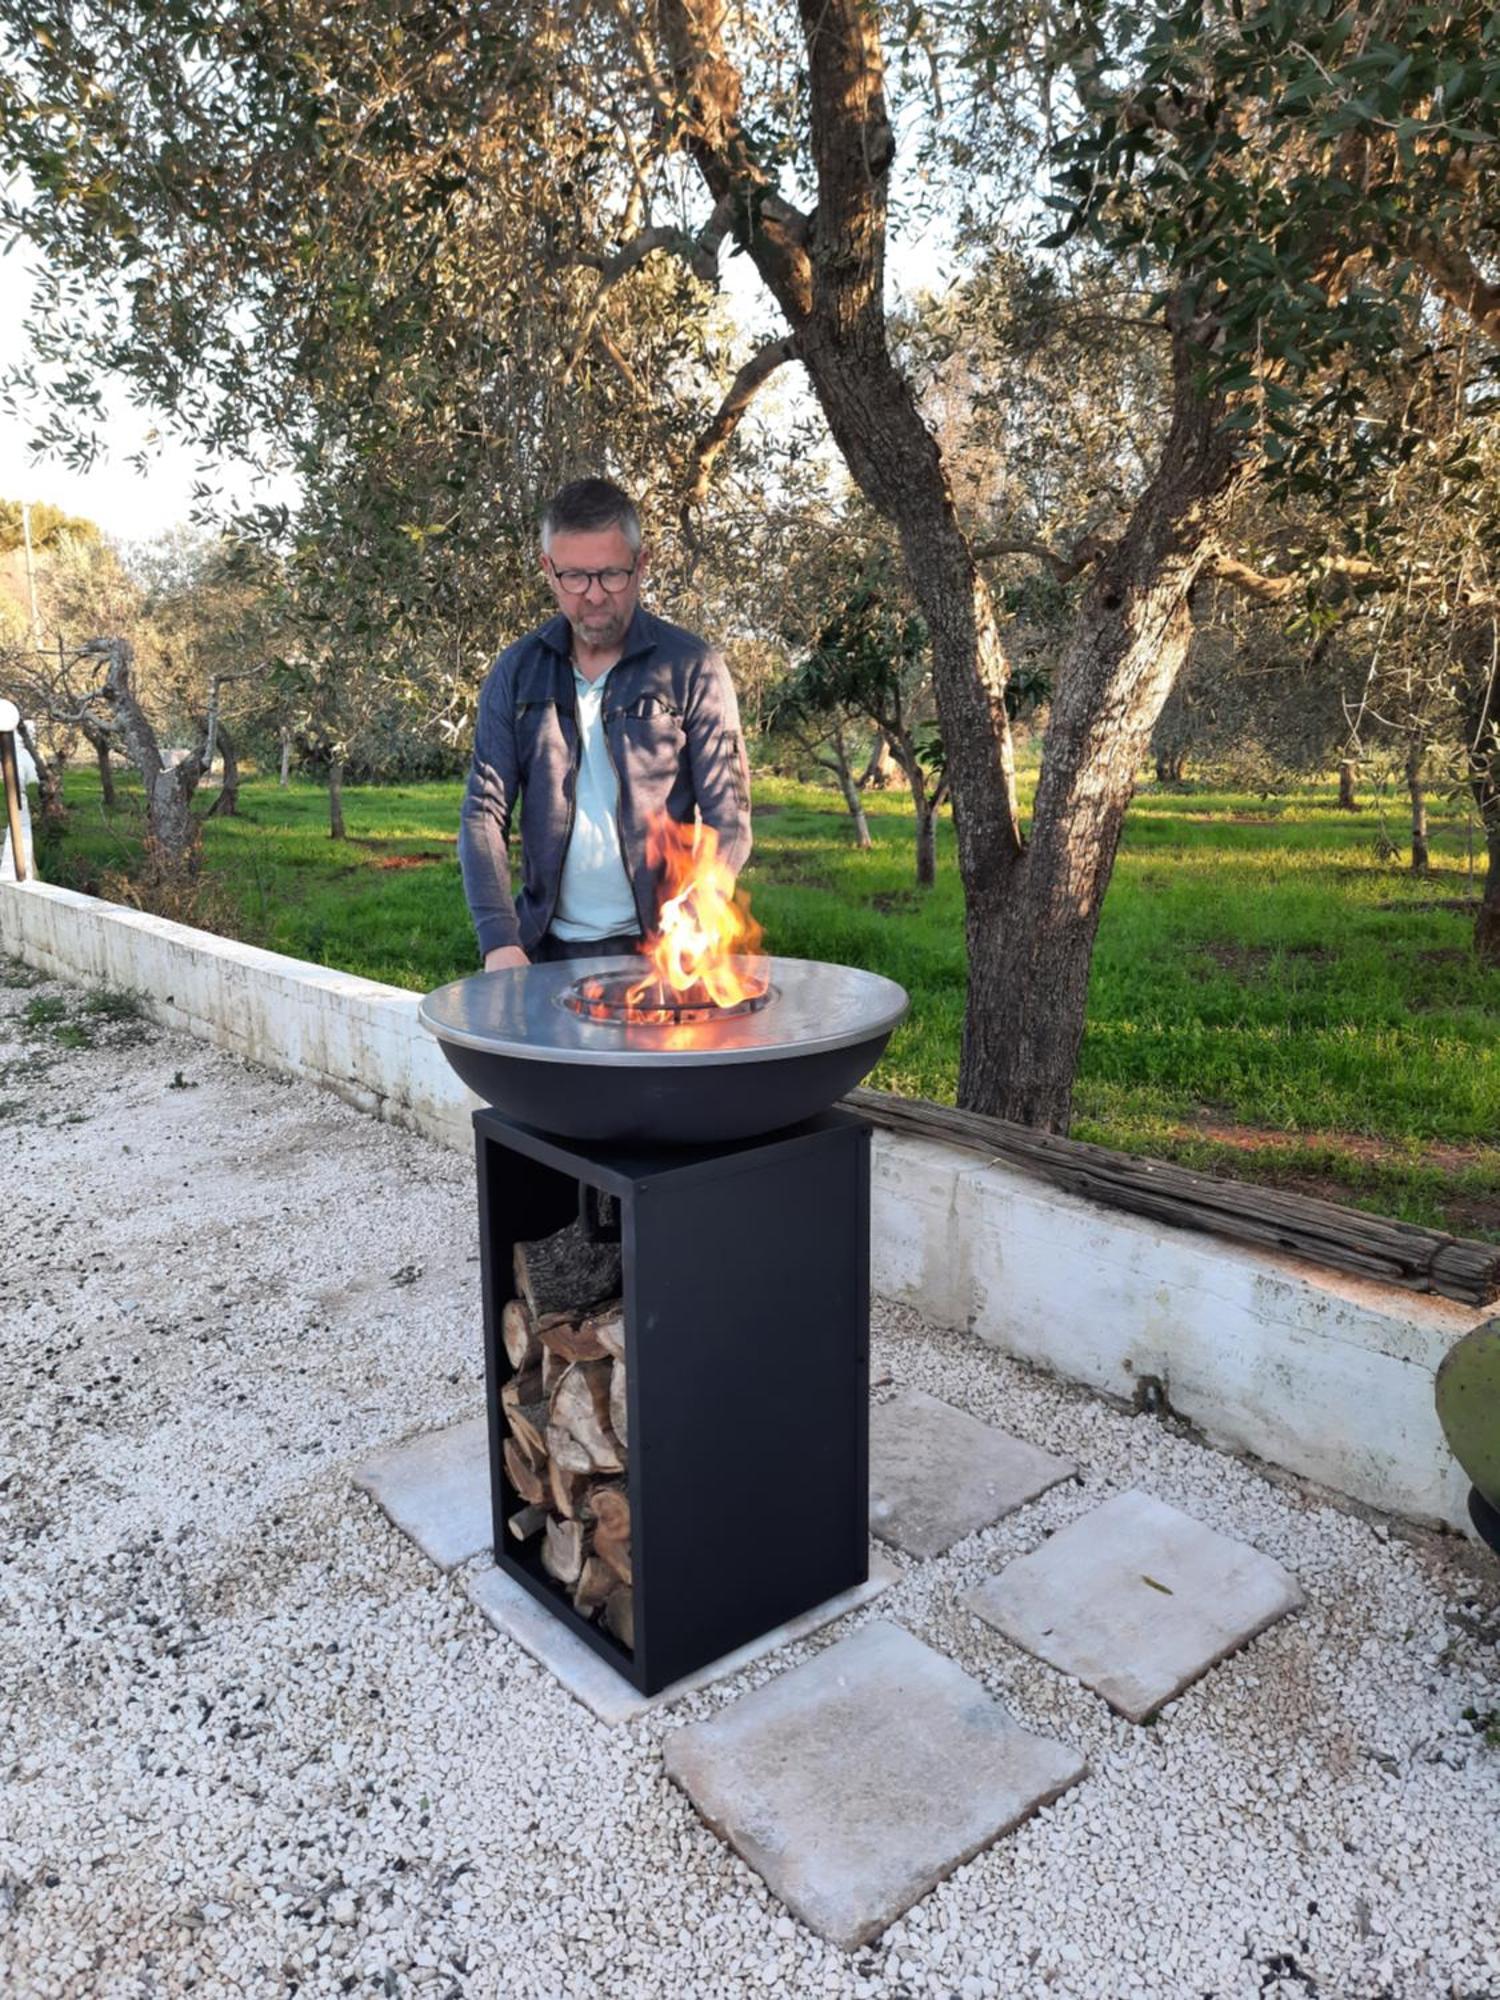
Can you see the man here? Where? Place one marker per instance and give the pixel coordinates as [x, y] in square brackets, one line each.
[598, 723]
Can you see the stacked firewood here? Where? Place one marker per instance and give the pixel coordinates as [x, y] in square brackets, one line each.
[564, 1407]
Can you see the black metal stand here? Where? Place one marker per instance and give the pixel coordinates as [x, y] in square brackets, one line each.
[1485, 1518]
[746, 1272]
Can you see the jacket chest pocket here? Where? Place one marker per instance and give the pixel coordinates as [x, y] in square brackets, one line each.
[648, 738]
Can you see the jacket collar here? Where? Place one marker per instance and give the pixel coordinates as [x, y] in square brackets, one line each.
[640, 636]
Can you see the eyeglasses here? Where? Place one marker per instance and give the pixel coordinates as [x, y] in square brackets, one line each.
[576, 581]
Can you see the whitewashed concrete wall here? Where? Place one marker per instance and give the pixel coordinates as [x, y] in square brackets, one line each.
[354, 1036]
[1323, 1375]
[1326, 1375]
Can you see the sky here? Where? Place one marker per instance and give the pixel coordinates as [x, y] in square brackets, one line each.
[133, 507]
[126, 504]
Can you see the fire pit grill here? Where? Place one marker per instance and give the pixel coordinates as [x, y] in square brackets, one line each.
[516, 1040]
[737, 1384]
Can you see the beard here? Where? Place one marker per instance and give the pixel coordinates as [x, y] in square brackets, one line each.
[604, 626]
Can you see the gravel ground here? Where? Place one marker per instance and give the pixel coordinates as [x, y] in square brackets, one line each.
[254, 1745]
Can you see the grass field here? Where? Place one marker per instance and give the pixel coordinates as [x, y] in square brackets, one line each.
[1270, 997]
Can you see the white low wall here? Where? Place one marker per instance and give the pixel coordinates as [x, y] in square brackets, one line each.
[354, 1036]
[1326, 1376]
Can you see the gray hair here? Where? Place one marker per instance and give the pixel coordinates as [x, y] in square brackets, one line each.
[585, 506]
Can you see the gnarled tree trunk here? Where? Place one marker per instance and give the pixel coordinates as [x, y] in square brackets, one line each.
[336, 829]
[99, 744]
[52, 810]
[881, 769]
[837, 761]
[172, 835]
[1416, 792]
[226, 803]
[925, 800]
[1030, 913]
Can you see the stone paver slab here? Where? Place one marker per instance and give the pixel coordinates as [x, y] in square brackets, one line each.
[1136, 1600]
[607, 1694]
[856, 1783]
[436, 1488]
[937, 1474]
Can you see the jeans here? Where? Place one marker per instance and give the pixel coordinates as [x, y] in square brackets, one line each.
[551, 948]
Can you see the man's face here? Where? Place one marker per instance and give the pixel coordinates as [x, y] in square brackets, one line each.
[598, 616]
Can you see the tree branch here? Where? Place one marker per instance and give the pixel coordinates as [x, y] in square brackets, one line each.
[1086, 550]
[726, 421]
[699, 251]
[610, 349]
[706, 108]
[1453, 273]
[1277, 589]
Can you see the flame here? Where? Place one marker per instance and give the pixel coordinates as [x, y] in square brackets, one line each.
[705, 932]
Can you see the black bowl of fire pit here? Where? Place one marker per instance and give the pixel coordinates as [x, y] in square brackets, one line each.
[575, 1049]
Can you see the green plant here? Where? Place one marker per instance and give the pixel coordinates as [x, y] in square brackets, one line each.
[1468, 1405]
[113, 1006]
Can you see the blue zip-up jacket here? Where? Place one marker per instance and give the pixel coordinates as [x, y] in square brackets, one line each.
[672, 727]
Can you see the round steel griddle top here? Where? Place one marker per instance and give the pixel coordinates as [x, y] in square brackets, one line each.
[519, 1011]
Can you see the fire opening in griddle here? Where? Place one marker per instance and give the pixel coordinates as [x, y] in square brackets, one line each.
[637, 1002]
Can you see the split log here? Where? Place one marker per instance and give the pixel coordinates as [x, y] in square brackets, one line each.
[567, 1272]
[569, 1342]
[567, 1489]
[553, 1370]
[607, 1327]
[525, 1408]
[564, 1550]
[518, 1336]
[528, 1522]
[528, 1480]
[523, 1388]
[596, 1583]
[580, 1406]
[608, 1506]
[564, 1451]
[619, 1407]
[619, 1615]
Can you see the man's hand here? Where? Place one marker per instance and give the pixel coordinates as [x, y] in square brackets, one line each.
[504, 955]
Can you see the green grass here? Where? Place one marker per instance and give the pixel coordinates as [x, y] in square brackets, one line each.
[1270, 996]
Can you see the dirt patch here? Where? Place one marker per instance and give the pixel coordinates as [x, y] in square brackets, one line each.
[1230, 819]
[794, 870]
[1238, 957]
[388, 862]
[1458, 906]
[1450, 1159]
[1258, 957]
[1473, 1215]
[1445, 954]
[766, 811]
